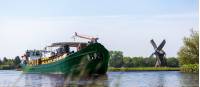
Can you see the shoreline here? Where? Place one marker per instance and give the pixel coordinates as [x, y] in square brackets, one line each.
[136, 69]
[145, 69]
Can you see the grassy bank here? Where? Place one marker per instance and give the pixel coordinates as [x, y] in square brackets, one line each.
[144, 69]
[190, 68]
[6, 67]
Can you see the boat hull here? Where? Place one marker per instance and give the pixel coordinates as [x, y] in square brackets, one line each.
[91, 60]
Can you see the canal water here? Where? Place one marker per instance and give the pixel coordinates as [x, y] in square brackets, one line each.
[11, 78]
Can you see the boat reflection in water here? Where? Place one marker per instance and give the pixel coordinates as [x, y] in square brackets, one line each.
[58, 80]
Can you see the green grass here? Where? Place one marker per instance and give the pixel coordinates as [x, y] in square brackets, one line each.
[6, 67]
[145, 69]
[194, 68]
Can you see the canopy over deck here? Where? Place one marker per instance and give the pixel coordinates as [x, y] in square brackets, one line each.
[71, 44]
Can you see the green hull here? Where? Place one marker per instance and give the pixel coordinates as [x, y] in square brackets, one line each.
[91, 60]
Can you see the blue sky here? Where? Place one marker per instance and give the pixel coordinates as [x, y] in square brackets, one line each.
[126, 25]
[38, 8]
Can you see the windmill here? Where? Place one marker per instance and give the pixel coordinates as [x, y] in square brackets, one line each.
[159, 53]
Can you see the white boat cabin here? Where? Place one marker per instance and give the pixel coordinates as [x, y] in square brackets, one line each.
[52, 52]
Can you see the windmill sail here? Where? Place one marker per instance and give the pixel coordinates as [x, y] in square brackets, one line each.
[159, 53]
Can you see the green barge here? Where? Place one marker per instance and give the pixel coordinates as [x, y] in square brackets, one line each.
[88, 58]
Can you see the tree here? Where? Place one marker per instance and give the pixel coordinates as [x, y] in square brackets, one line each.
[127, 62]
[172, 62]
[138, 61]
[5, 60]
[149, 62]
[17, 61]
[116, 59]
[189, 53]
[1, 62]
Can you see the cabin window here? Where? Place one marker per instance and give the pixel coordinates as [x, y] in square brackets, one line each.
[37, 53]
[27, 53]
[73, 49]
[66, 48]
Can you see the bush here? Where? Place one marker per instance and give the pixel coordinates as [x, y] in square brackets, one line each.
[190, 68]
[189, 53]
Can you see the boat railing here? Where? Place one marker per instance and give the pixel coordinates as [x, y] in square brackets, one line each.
[47, 60]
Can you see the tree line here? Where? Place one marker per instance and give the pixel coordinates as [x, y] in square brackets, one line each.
[7, 63]
[117, 60]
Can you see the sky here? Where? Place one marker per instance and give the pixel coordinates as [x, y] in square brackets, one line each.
[122, 25]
